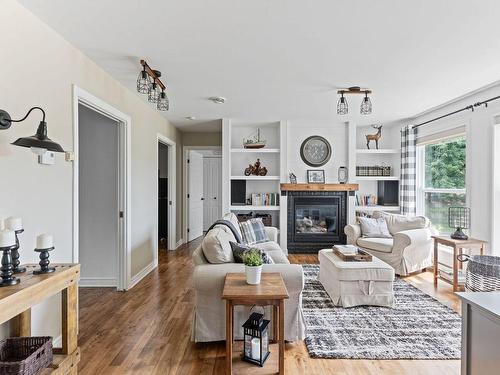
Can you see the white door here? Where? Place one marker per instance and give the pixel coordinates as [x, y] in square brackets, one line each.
[212, 179]
[195, 195]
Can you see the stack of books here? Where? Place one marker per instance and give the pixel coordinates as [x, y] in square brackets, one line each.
[265, 199]
[366, 200]
[346, 249]
[447, 274]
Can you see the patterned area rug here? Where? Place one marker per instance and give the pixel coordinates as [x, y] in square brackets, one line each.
[418, 327]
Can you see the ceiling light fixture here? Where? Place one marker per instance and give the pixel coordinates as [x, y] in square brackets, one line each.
[366, 104]
[342, 106]
[148, 82]
[217, 99]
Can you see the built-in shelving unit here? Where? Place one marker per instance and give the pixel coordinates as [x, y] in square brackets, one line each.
[256, 178]
[389, 154]
[254, 208]
[380, 151]
[257, 151]
[235, 158]
[377, 178]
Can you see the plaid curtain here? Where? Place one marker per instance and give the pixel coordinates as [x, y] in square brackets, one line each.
[408, 182]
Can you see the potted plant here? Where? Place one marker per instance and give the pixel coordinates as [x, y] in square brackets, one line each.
[253, 266]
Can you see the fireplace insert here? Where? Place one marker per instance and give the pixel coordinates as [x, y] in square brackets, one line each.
[316, 220]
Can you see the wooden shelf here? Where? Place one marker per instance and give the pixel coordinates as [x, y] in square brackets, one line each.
[16, 302]
[257, 151]
[377, 178]
[380, 151]
[377, 208]
[319, 187]
[254, 208]
[256, 178]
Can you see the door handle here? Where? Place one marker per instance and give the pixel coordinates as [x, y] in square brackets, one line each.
[202, 199]
[215, 197]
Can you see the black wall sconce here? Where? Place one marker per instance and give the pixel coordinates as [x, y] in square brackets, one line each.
[39, 142]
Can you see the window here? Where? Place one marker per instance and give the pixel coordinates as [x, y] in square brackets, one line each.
[441, 180]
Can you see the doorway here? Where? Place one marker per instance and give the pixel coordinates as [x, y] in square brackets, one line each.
[202, 189]
[163, 199]
[166, 194]
[101, 192]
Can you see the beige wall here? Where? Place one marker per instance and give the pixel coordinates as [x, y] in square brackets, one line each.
[40, 70]
[201, 139]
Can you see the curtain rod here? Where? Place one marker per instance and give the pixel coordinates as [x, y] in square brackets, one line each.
[471, 107]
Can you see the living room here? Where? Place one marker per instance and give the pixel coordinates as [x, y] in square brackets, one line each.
[323, 174]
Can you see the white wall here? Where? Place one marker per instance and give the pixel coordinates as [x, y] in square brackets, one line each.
[98, 198]
[480, 145]
[334, 132]
[40, 70]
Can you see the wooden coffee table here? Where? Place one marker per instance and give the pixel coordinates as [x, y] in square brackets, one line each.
[458, 246]
[270, 292]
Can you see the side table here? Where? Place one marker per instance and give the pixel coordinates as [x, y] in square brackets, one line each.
[270, 292]
[458, 246]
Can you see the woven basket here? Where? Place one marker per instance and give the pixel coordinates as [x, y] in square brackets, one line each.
[482, 274]
[25, 355]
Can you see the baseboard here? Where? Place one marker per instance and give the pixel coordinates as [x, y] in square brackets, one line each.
[88, 282]
[179, 243]
[141, 274]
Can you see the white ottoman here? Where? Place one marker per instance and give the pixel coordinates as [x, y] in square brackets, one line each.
[356, 283]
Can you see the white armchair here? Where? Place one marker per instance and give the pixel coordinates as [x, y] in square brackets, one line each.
[410, 248]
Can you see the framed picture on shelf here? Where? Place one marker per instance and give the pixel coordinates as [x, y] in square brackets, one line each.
[315, 176]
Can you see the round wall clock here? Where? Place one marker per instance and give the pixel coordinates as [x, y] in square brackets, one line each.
[315, 151]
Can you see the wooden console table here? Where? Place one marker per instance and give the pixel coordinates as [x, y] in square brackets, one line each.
[458, 246]
[270, 292]
[16, 302]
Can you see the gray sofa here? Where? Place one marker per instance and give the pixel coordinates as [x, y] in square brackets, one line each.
[408, 250]
[208, 281]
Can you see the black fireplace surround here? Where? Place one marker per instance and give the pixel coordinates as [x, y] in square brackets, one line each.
[315, 220]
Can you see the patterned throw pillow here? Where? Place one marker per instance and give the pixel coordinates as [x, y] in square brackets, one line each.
[253, 231]
[239, 251]
[374, 228]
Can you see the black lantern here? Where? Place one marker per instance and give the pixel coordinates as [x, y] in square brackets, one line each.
[459, 218]
[256, 339]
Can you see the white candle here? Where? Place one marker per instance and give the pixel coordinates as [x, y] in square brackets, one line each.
[256, 348]
[44, 241]
[7, 238]
[14, 223]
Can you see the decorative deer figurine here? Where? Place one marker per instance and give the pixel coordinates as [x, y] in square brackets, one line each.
[374, 137]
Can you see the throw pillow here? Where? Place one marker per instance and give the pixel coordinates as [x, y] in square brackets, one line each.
[239, 251]
[216, 247]
[253, 231]
[374, 228]
[398, 223]
[234, 220]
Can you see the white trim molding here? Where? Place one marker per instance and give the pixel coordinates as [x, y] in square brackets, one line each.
[179, 243]
[172, 178]
[141, 274]
[83, 97]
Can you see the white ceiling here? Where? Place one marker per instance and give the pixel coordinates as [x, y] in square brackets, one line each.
[284, 59]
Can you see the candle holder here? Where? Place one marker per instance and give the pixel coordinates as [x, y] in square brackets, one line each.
[44, 261]
[6, 272]
[15, 255]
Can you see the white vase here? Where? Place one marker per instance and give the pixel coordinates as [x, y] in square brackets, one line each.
[253, 274]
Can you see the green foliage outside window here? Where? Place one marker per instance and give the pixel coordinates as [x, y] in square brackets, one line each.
[444, 169]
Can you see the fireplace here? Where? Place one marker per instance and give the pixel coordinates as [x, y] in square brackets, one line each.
[316, 220]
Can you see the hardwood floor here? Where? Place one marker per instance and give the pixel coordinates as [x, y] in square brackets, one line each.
[147, 330]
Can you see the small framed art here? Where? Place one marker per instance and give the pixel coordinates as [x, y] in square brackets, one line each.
[315, 176]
